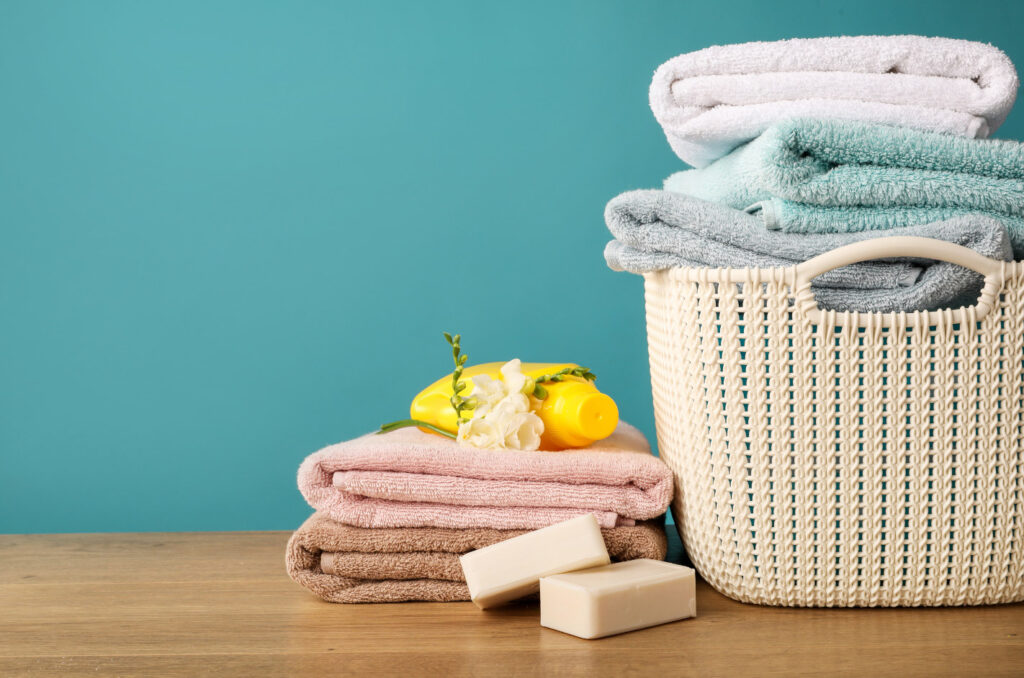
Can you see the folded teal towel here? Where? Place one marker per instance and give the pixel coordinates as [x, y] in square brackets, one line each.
[831, 176]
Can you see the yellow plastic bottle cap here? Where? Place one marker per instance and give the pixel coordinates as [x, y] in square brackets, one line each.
[596, 416]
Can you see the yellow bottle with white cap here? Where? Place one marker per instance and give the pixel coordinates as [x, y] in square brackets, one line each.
[574, 412]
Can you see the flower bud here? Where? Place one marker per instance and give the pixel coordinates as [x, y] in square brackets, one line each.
[529, 386]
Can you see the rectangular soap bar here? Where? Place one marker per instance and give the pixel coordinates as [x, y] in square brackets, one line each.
[512, 569]
[627, 596]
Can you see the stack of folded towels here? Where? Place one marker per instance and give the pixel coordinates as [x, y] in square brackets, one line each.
[802, 146]
[394, 511]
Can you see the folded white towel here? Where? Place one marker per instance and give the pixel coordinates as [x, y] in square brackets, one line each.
[711, 101]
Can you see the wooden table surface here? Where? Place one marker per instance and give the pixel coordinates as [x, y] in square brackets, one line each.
[192, 604]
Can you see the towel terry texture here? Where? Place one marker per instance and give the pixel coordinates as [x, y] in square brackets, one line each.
[661, 229]
[713, 100]
[818, 176]
[345, 564]
[408, 478]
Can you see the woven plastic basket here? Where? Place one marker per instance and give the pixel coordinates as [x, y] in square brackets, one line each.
[828, 458]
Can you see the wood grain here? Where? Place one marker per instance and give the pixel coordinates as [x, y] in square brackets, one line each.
[220, 603]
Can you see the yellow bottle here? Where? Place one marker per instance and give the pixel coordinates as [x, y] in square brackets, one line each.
[574, 412]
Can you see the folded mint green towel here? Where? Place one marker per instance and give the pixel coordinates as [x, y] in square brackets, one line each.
[831, 176]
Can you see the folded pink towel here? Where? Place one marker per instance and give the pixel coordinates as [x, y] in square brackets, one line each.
[408, 478]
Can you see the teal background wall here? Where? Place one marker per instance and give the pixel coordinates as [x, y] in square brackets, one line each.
[232, 232]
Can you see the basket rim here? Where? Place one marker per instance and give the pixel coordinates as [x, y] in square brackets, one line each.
[804, 303]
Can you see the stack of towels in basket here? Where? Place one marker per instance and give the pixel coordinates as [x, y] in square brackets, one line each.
[394, 511]
[801, 146]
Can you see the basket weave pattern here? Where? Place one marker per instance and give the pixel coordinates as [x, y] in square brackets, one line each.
[841, 459]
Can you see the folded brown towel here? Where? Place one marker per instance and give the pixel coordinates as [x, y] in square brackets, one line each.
[345, 564]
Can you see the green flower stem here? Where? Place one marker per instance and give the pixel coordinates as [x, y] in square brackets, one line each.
[404, 423]
[581, 372]
[458, 402]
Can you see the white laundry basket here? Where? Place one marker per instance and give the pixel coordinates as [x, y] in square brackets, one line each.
[829, 458]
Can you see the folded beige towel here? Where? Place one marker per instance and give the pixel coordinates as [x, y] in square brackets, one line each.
[345, 564]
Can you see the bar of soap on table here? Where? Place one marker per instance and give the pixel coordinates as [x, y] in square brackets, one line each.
[512, 569]
[627, 596]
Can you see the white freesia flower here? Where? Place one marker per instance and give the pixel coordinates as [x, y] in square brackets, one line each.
[515, 380]
[503, 418]
[479, 432]
[487, 392]
[523, 431]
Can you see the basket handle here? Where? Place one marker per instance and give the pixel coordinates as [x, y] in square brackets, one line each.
[900, 246]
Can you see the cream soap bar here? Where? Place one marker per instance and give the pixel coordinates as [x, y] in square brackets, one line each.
[603, 601]
[512, 569]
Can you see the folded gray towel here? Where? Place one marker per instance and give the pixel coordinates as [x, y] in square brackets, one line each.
[660, 229]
